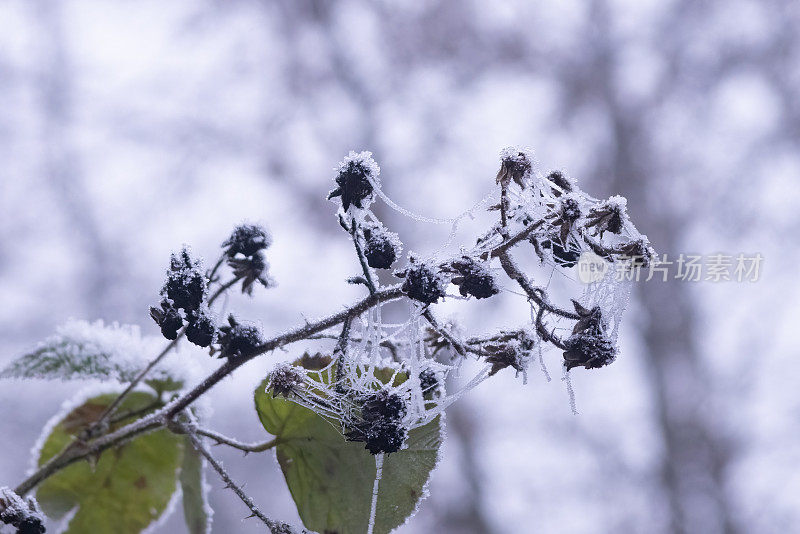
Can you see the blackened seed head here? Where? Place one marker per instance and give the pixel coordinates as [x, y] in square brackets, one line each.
[515, 165]
[284, 380]
[354, 179]
[31, 525]
[384, 405]
[474, 278]
[382, 247]
[385, 436]
[186, 284]
[590, 350]
[423, 284]
[247, 239]
[171, 322]
[570, 209]
[202, 330]
[560, 179]
[239, 340]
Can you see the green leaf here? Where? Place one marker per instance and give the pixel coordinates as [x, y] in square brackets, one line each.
[127, 489]
[331, 479]
[195, 494]
[81, 350]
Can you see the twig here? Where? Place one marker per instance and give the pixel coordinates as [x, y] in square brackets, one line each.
[275, 527]
[341, 349]
[504, 209]
[517, 238]
[361, 258]
[456, 344]
[514, 273]
[246, 447]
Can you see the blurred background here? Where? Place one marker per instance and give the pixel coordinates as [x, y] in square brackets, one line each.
[129, 128]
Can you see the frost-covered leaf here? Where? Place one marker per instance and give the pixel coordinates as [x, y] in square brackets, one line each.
[331, 479]
[129, 487]
[196, 510]
[82, 350]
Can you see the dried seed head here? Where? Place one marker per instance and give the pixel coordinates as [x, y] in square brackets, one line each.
[515, 164]
[382, 247]
[608, 216]
[505, 355]
[247, 240]
[202, 329]
[251, 269]
[168, 318]
[473, 278]
[428, 381]
[385, 436]
[285, 380]
[422, 283]
[238, 340]
[588, 346]
[354, 180]
[383, 405]
[564, 183]
[186, 284]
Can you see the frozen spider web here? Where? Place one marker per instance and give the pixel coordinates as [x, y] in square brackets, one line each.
[404, 360]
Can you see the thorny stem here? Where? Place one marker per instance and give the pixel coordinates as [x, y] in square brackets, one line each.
[275, 527]
[523, 234]
[341, 348]
[156, 420]
[361, 258]
[503, 210]
[544, 334]
[533, 293]
[79, 450]
[246, 447]
[456, 344]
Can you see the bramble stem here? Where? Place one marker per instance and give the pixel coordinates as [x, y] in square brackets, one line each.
[246, 447]
[275, 527]
[77, 450]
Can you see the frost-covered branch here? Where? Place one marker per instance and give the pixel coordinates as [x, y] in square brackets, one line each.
[236, 444]
[374, 399]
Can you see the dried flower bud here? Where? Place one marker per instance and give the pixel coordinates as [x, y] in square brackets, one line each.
[588, 346]
[381, 246]
[608, 216]
[168, 318]
[515, 165]
[24, 514]
[473, 278]
[247, 240]
[422, 283]
[564, 183]
[505, 355]
[251, 269]
[285, 380]
[202, 329]
[385, 436]
[639, 252]
[567, 213]
[186, 284]
[354, 180]
[383, 405]
[239, 340]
